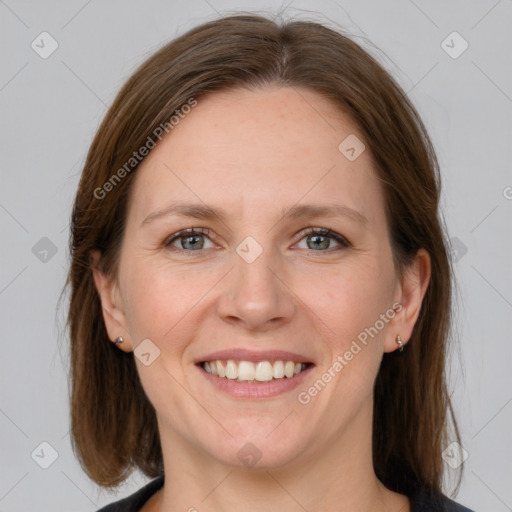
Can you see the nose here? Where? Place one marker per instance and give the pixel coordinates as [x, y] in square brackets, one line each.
[256, 296]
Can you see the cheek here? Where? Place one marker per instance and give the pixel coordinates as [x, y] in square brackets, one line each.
[159, 298]
[353, 299]
[352, 305]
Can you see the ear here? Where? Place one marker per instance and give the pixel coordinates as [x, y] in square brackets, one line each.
[409, 294]
[111, 303]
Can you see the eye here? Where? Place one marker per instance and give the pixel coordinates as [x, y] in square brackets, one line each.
[195, 239]
[320, 239]
[189, 240]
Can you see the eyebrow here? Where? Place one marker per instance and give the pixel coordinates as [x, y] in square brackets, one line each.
[202, 211]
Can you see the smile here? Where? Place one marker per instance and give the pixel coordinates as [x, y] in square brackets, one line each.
[254, 372]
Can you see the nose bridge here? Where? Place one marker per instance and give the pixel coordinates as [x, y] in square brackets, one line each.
[255, 294]
[254, 267]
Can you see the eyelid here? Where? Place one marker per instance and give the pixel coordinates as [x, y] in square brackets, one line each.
[184, 233]
[342, 240]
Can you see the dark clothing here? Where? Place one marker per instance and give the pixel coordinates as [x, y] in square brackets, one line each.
[421, 501]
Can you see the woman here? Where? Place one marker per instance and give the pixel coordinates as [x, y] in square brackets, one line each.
[260, 287]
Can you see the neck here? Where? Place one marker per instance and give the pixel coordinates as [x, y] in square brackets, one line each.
[337, 478]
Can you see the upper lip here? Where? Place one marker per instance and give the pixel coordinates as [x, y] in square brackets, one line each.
[243, 354]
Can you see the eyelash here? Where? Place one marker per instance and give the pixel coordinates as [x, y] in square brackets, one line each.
[205, 231]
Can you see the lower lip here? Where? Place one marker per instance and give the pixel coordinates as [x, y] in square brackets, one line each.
[257, 389]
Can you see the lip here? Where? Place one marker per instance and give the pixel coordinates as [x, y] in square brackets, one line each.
[260, 390]
[242, 354]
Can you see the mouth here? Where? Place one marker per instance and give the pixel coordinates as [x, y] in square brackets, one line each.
[248, 374]
[254, 372]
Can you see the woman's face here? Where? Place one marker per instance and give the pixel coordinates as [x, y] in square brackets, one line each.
[252, 172]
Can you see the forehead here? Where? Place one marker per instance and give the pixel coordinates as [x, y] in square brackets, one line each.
[260, 149]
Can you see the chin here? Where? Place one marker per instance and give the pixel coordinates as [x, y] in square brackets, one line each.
[258, 450]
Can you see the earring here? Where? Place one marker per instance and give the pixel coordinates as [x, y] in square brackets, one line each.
[119, 340]
[400, 344]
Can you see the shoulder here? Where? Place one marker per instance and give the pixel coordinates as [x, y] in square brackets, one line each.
[424, 500]
[135, 501]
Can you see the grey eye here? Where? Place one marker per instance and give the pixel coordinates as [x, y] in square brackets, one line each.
[192, 242]
[189, 240]
[320, 240]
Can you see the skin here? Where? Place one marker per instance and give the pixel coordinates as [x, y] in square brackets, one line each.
[256, 154]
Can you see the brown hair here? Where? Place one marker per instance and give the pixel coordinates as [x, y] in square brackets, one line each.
[113, 424]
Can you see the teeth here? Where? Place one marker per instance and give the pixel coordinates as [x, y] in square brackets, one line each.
[289, 369]
[247, 371]
[264, 371]
[278, 370]
[231, 370]
[220, 369]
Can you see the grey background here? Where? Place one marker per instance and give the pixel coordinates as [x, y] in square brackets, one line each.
[50, 109]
